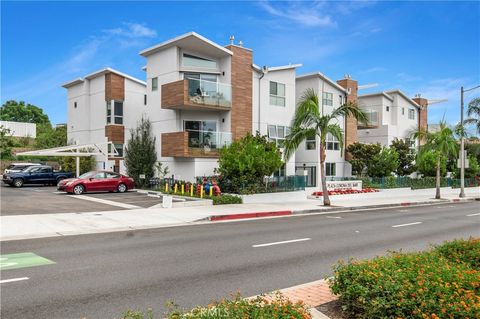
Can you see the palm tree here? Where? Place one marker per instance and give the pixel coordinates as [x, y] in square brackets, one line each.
[308, 121]
[473, 111]
[442, 143]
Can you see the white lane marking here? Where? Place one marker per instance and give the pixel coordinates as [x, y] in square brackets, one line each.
[336, 217]
[104, 201]
[403, 210]
[13, 280]
[281, 242]
[409, 224]
[357, 231]
[476, 214]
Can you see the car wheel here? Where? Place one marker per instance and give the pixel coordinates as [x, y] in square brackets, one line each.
[122, 188]
[18, 182]
[78, 189]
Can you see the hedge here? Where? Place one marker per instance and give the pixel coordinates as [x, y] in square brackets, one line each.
[441, 283]
[236, 307]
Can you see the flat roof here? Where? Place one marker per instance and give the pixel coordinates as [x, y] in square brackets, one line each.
[190, 40]
[375, 94]
[388, 94]
[99, 73]
[323, 77]
[277, 68]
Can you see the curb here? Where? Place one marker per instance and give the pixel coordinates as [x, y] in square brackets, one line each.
[214, 218]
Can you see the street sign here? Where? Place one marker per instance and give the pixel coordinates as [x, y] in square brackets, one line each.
[142, 176]
[459, 163]
[22, 260]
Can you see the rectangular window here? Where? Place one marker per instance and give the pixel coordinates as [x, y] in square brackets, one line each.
[277, 94]
[311, 143]
[340, 99]
[388, 108]
[330, 169]
[75, 104]
[332, 143]
[277, 134]
[327, 98]
[411, 114]
[145, 99]
[198, 62]
[403, 111]
[154, 84]
[118, 148]
[118, 112]
[109, 112]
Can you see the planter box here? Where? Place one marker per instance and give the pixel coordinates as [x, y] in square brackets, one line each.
[279, 197]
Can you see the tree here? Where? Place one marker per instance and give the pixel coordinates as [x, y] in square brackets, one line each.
[427, 164]
[473, 112]
[362, 156]
[243, 164]
[473, 169]
[48, 137]
[6, 143]
[442, 144]
[406, 157]
[19, 112]
[384, 163]
[69, 164]
[140, 153]
[308, 121]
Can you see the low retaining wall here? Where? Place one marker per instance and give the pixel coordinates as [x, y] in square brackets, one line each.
[279, 197]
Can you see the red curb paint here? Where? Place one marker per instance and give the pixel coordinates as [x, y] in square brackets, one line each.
[405, 204]
[251, 215]
[456, 199]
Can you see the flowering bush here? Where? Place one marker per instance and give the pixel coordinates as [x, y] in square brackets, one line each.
[347, 191]
[413, 285]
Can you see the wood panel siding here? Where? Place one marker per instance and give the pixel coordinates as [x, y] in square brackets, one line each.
[351, 124]
[242, 77]
[115, 133]
[422, 116]
[114, 87]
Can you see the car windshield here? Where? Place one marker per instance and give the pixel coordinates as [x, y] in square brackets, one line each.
[30, 169]
[86, 175]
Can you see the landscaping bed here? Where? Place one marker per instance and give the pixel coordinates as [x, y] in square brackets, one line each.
[347, 191]
[443, 282]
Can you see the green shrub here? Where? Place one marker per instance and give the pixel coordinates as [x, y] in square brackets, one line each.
[465, 251]
[428, 182]
[225, 199]
[413, 285]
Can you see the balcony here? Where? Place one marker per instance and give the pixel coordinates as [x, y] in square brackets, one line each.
[194, 143]
[372, 117]
[194, 94]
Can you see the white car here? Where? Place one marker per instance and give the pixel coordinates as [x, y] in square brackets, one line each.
[18, 167]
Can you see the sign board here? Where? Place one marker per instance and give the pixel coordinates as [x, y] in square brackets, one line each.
[459, 163]
[331, 185]
[142, 176]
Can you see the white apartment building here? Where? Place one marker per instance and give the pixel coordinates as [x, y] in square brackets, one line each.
[392, 115]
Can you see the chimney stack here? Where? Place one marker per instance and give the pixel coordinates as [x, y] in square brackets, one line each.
[422, 115]
[351, 135]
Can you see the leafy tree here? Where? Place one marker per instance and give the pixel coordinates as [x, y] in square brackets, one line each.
[406, 157]
[473, 148]
[48, 137]
[69, 164]
[362, 156]
[245, 163]
[473, 112]
[21, 112]
[6, 143]
[427, 164]
[384, 163]
[140, 154]
[442, 144]
[474, 167]
[308, 121]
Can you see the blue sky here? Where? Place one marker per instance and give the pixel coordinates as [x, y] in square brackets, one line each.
[431, 48]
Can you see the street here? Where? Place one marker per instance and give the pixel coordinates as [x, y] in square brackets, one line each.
[102, 275]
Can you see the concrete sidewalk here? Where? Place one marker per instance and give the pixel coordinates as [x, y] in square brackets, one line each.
[48, 225]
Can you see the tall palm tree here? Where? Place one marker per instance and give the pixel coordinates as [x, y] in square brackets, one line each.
[473, 112]
[442, 143]
[309, 121]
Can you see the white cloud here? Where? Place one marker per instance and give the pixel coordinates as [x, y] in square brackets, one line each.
[309, 16]
[132, 30]
[403, 76]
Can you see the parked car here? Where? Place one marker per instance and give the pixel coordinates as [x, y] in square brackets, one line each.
[17, 167]
[97, 181]
[38, 174]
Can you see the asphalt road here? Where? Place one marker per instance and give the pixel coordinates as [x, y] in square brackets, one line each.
[100, 276]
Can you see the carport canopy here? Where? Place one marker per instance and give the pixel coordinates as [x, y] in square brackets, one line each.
[77, 151]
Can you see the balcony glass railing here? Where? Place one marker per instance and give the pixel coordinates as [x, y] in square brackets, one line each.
[372, 117]
[208, 140]
[209, 93]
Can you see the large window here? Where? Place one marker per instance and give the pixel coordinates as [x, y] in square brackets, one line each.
[118, 148]
[154, 84]
[330, 169]
[311, 143]
[277, 94]
[201, 133]
[198, 62]
[117, 112]
[277, 134]
[109, 112]
[327, 98]
[332, 143]
[411, 114]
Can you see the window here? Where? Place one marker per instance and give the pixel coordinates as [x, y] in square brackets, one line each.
[198, 62]
[388, 108]
[99, 175]
[45, 170]
[75, 104]
[311, 143]
[277, 134]
[332, 143]
[330, 169]
[340, 99]
[109, 112]
[202, 133]
[327, 98]
[154, 84]
[201, 84]
[118, 148]
[277, 94]
[411, 114]
[118, 112]
[145, 99]
[112, 175]
[403, 111]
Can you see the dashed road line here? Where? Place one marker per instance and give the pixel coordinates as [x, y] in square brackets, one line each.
[281, 242]
[13, 280]
[409, 224]
[476, 214]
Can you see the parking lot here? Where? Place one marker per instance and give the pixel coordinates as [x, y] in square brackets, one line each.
[34, 199]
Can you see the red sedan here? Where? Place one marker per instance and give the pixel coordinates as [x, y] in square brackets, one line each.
[96, 181]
